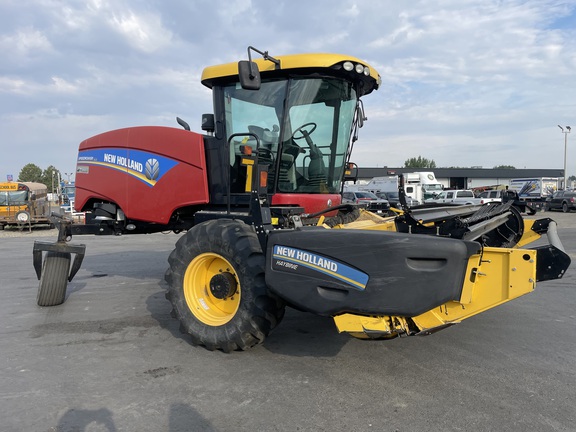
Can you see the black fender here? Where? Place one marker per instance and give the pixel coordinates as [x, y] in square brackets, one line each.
[329, 272]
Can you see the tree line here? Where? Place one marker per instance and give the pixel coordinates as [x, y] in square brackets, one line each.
[33, 173]
[422, 162]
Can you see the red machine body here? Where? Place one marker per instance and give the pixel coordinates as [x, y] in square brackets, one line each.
[311, 203]
[148, 171]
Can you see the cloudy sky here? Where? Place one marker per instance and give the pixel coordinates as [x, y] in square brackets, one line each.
[465, 83]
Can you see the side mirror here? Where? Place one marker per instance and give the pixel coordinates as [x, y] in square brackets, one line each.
[249, 75]
[360, 116]
[351, 172]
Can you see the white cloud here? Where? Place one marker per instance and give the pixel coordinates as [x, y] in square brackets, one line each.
[464, 82]
[24, 46]
[143, 32]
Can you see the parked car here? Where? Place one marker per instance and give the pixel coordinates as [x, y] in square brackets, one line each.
[491, 196]
[564, 200]
[394, 199]
[370, 200]
[457, 196]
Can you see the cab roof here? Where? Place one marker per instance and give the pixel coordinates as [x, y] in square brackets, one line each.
[296, 63]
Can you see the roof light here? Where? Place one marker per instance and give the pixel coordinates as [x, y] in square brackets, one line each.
[348, 66]
[367, 71]
[359, 68]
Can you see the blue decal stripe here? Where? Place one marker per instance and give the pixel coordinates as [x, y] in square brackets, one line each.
[122, 169]
[358, 284]
[148, 167]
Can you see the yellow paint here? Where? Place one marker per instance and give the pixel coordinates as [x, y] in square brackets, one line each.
[202, 304]
[249, 164]
[10, 186]
[492, 278]
[529, 236]
[287, 62]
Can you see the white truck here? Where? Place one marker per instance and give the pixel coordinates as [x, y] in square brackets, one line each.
[504, 195]
[417, 185]
[456, 196]
[534, 190]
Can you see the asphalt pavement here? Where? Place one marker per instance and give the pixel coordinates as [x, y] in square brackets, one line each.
[111, 358]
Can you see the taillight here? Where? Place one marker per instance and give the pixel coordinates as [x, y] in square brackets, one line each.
[572, 199]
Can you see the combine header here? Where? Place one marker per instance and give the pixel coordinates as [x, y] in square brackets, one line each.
[258, 199]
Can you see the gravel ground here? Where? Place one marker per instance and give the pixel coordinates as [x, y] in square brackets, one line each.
[37, 231]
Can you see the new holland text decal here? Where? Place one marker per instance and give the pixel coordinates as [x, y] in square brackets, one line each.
[286, 258]
[146, 167]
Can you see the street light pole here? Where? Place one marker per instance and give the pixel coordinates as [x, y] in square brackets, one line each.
[565, 132]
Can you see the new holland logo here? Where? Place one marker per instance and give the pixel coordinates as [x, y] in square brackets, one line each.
[152, 169]
[145, 166]
[295, 260]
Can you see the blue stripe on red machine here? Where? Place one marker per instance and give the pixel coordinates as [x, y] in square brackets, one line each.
[290, 259]
[146, 167]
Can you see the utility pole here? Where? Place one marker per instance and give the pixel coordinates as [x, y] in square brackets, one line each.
[565, 132]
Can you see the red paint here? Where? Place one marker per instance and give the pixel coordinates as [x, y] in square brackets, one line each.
[312, 203]
[184, 185]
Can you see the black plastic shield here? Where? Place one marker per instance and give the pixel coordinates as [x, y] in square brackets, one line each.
[551, 263]
[329, 272]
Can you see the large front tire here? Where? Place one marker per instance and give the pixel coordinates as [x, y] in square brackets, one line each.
[54, 279]
[217, 289]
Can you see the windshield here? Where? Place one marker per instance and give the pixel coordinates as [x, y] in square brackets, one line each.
[366, 195]
[16, 197]
[432, 187]
[303, 126]
[70, 191]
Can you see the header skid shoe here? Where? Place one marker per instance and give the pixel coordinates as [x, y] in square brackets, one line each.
[54, 272]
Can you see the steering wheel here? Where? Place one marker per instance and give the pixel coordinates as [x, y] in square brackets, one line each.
[294, 149]
[305, 133]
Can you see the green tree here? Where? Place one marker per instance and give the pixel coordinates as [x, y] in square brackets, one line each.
[30, 173]
[504, 167]
[419, 162]
[50, 178]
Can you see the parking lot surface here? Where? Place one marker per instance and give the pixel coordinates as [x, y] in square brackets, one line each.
[111, 358]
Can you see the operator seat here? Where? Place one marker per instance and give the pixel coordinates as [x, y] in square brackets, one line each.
[287, 174]
[316, 171]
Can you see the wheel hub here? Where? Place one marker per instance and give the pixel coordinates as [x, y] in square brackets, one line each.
[223, 285]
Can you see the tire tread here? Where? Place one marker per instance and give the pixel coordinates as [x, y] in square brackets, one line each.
[54, 279]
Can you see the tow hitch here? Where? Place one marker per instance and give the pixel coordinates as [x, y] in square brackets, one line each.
[55, 271]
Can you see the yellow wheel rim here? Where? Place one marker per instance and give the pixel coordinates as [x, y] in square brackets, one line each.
[203, 304]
